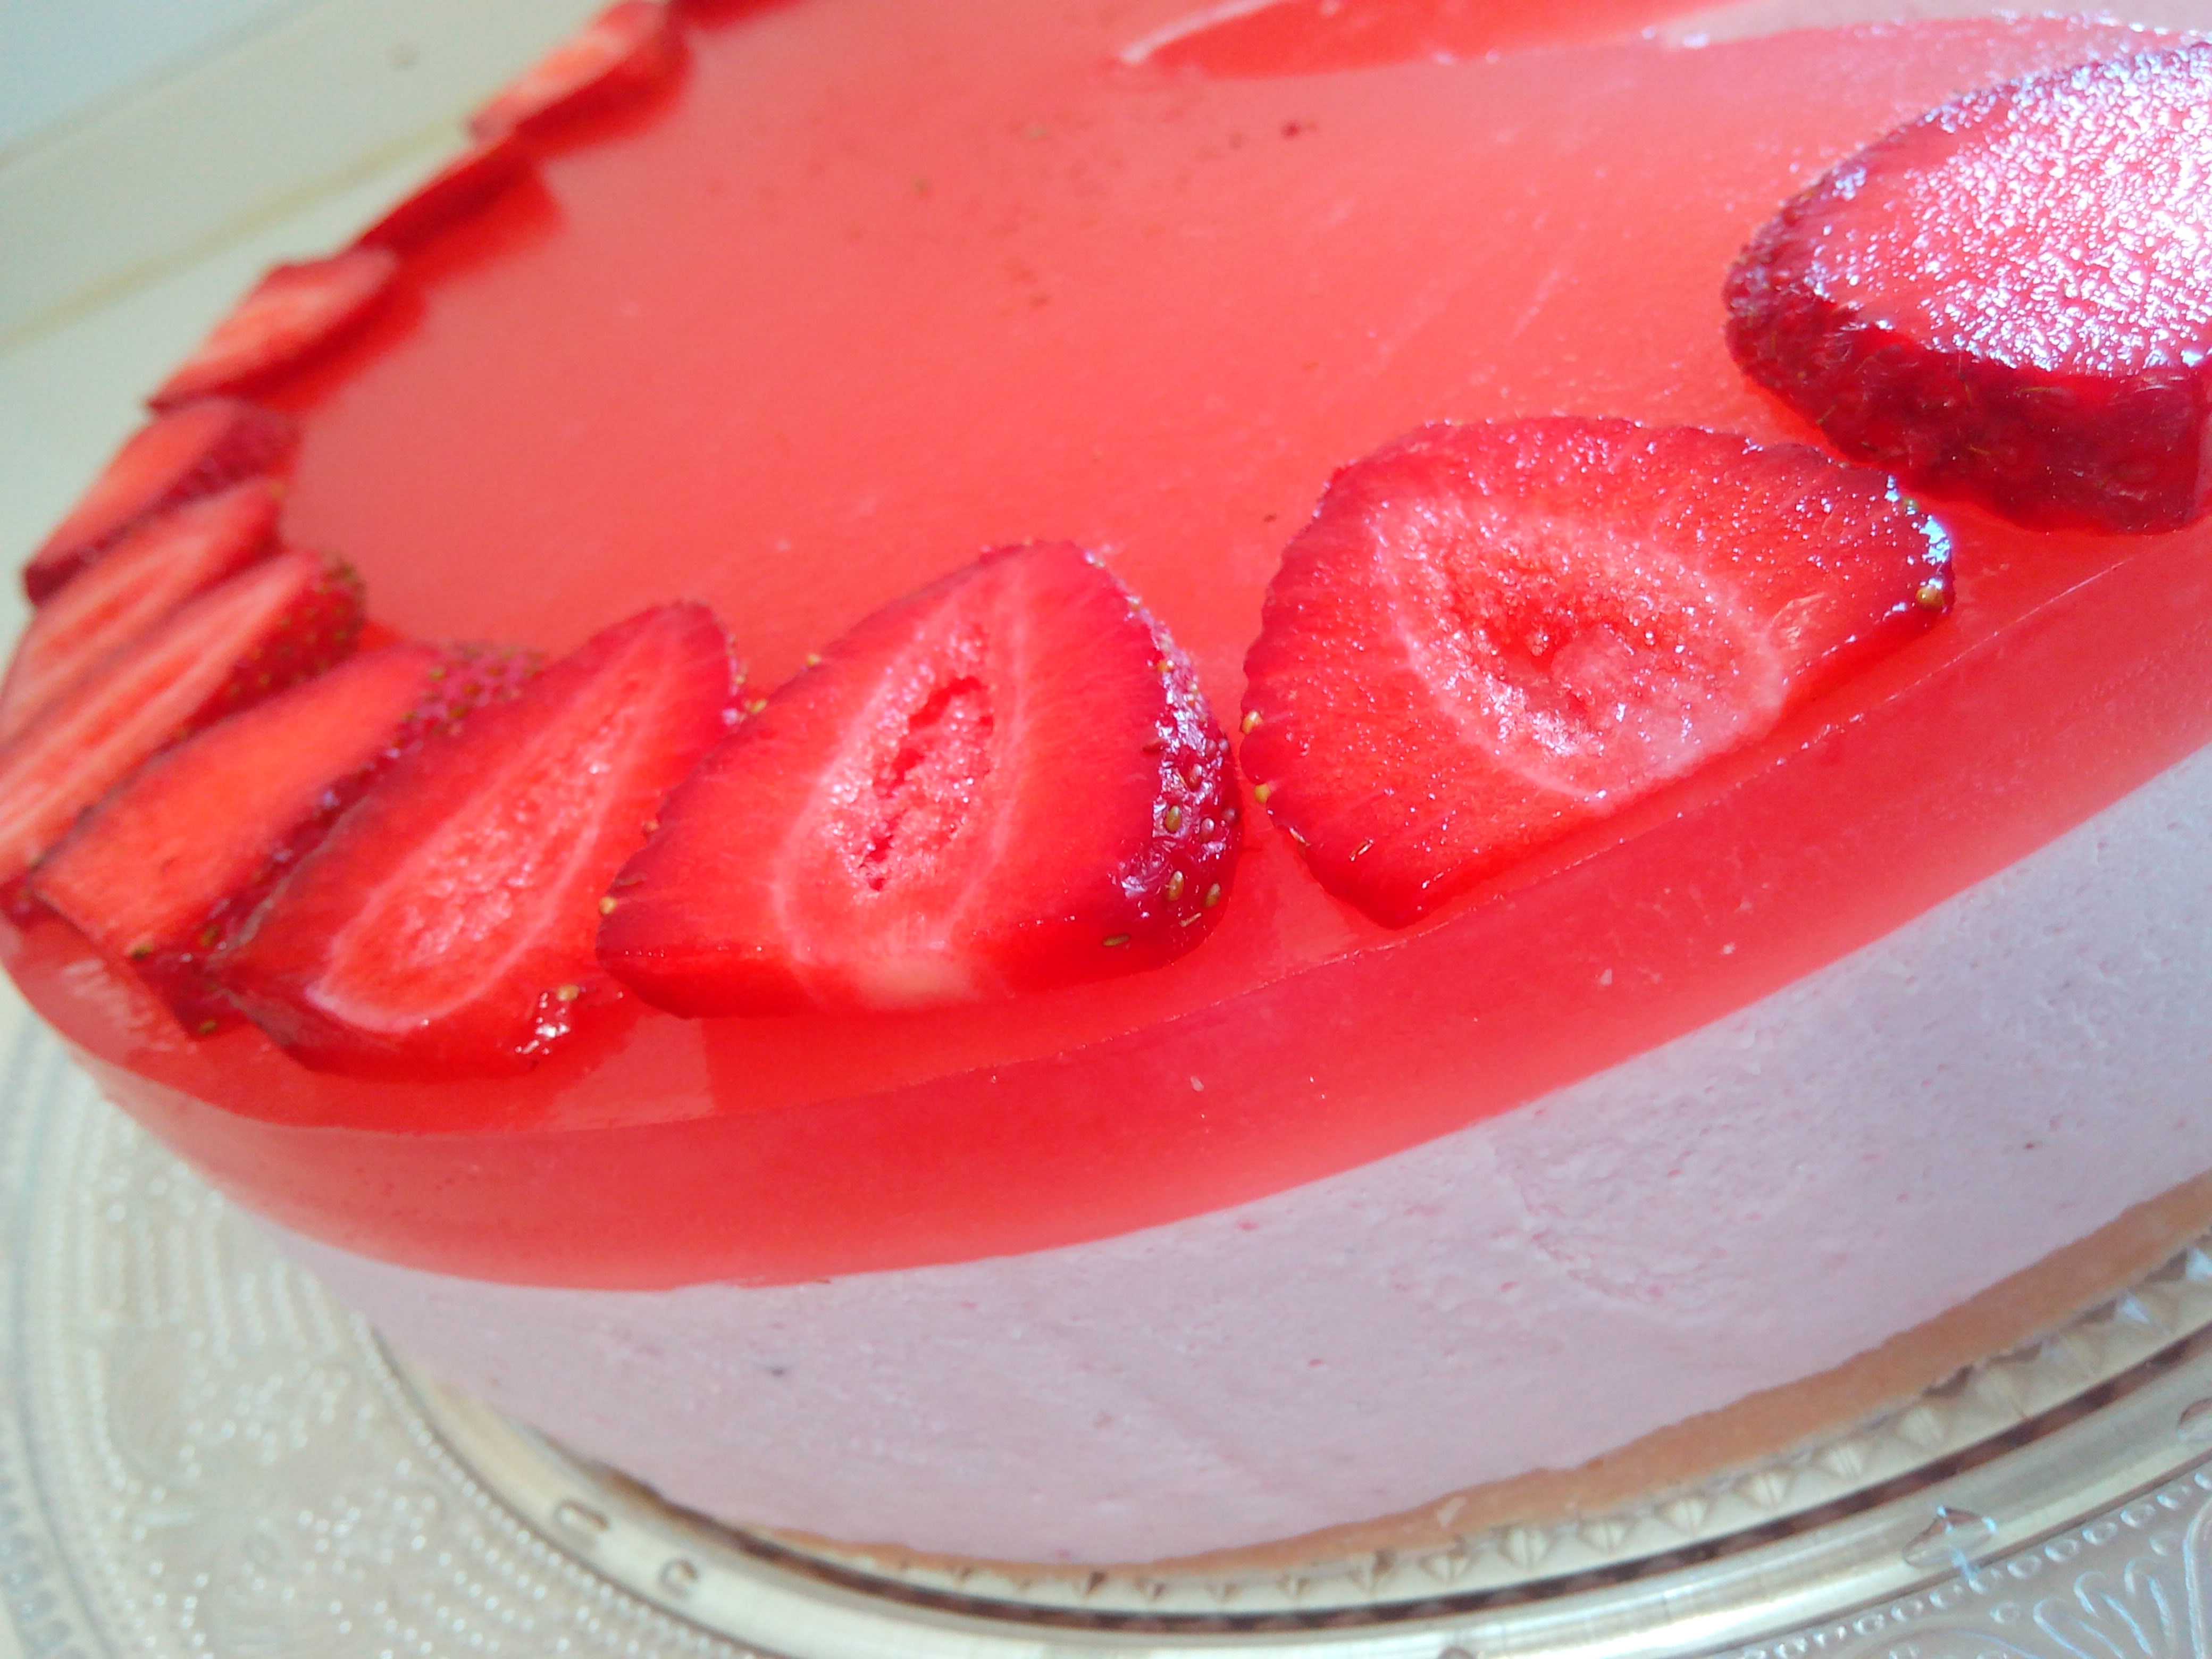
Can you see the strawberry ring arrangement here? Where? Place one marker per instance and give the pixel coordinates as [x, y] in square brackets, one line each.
[1735, 647]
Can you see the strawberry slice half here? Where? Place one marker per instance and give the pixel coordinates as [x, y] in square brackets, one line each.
[1490, 633]
[291, 313]
[2009, 300]
[1005, 782]
[627, 51]
[279, 621]
[152, 570]
[192, 451]
[444, 928]
[160, 874]
[456, 189]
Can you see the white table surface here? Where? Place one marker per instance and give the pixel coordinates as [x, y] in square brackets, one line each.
[61, 59]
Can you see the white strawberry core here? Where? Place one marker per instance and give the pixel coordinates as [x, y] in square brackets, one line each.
[881, 867]
[414, 951]
[1590, 665]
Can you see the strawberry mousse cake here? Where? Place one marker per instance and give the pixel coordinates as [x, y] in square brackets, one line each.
[1083, 784]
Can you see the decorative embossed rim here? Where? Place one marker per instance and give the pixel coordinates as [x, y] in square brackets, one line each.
[2099, 1413]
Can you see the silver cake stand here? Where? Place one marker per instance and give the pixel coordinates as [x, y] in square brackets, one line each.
[203, 1454]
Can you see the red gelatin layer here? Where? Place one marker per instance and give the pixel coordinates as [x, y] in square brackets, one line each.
[1032, 292]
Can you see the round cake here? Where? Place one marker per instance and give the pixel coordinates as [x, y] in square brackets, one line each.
[1548, 817]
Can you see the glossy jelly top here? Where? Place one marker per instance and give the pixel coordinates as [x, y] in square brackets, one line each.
[881, 284]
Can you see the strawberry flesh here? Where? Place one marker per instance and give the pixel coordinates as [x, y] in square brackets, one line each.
[453, 192]
[1489, 635]
[192, 451]
[627, 51]
[152, 570]
[1005, 782]
[277, 621]
[157, 875]
[2009, 300]
[287, 317]
[444, 928]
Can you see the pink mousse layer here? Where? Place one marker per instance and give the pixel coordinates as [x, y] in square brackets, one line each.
[1751, 1204]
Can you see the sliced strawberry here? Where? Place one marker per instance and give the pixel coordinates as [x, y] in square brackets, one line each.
[453, 192]
[625, 52]
[1489, 635]
[159, 874]
[444, 928]
[2009, 300]
[284, 318]
[277, 621]
[192, 451]
[1005, 782]
[151, 571]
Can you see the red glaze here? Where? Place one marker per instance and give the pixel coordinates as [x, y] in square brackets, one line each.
[2008, 300]
[1004, 783]
[289, 315]
[188, 451]
[161, 872]
[444, 928]
[283, 620]
[970, 283]
[150, 571]
[1491, 634]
